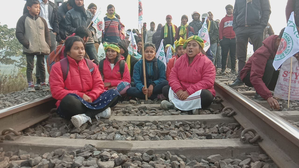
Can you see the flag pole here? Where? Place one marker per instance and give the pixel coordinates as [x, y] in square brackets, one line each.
[290, 82]
[143, 62]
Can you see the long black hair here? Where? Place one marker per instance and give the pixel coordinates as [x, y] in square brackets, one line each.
[69, 43]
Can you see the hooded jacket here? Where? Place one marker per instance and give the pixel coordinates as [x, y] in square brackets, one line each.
[114, 76]
[157, 37]
[79, 81]
[256, 65]
[226, 28]
[251, 13]
[199, 75]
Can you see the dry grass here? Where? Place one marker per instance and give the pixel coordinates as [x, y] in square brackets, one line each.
[12, 82]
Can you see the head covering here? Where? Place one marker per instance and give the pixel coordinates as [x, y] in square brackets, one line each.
[124, 45]
[91, 6]
[197, 39]
[204, 15]
[168, 16]
[172, 49]
[179, 42]
[112, 47]
[194, 14]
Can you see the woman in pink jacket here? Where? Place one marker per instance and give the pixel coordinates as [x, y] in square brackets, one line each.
[191, 79]
[77, 86]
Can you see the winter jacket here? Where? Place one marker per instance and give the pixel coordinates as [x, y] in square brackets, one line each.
[190, 32]
[213, 32]
[157, 38]
[255, 13]
[169, 39]
[256, 65]
[170, 65]
[79, 81]
[112, 30]
[226, 28]
[114, 76]
[293, 5]
[199, 75]
[74, 19]
[33, 34]
[151, 76]
[196, 24]
[62, 10]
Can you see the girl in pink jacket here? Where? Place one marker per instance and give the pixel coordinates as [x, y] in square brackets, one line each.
[191, 79]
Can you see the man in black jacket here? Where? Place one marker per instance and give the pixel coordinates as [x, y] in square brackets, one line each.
[250, 19]
[62, 10]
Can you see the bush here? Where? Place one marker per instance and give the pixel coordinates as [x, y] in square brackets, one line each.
[13, 82]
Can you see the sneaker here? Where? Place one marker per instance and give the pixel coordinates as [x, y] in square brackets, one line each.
[161, 97]
[37, 87]
[237, 82]
[31, 88]
[166, 105]
[80, 119]
[104, 114]
[45, 87]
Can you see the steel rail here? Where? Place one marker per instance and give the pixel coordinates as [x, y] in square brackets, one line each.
[280, 138]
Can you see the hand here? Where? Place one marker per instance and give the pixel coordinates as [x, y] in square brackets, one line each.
[87, 98]
[179, 93]
[273, 103]
[61, 42]
[107, 84]
[184, 95]
[150, 90]
[144, 91]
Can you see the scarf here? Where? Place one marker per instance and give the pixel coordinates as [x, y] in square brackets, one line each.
[128, 61]
[81, 10]
[110, 16]
[183, 31]
[166, 30]
[197, 39]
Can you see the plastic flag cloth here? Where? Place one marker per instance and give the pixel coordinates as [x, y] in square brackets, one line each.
[289, 43]
[204, 34]
[160, 53]
[140, 14]
[98, 23]
[168, 54]
[132, 49]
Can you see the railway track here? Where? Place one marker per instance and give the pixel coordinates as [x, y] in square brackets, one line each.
[243, 126]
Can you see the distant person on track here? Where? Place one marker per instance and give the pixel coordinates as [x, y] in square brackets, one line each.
[157, 36]
[33, 33]
[259, 73]
[168, 32]
[196, 23]
[155, 76]
[112, 28]
[191, 79]
[77, 86]
[184, 31]
[62, 10]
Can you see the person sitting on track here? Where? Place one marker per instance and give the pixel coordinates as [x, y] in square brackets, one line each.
[77, 85]
[191, 79]
[259, 73]
[114, 69]
[155, 75]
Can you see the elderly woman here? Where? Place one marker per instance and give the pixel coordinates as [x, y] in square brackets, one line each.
[191, 79]
[77, 85]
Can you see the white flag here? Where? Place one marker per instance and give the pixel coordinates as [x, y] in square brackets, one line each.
[289, 43]
[160, 53]
[132, 49]
[204, 34]
[168, 54]
[98, 23]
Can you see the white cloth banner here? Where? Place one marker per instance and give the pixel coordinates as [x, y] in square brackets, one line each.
[204, 34]
[132, 49]
[289, 43]
[98, 23]
[193, 102]
[161, 53]
[168, 54]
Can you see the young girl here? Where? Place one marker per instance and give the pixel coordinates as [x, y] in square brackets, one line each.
[114, 69]
[78, 86]
[155, 75]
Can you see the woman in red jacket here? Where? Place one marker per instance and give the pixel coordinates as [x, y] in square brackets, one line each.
[78, 86]
[115, 71]
[191, 79]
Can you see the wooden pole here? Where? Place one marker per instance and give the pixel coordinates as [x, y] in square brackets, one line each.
[143, 62]
[290, 82]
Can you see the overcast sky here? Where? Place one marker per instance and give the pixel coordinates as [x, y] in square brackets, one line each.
[153, 10]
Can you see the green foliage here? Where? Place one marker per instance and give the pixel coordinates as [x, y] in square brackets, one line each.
[13, 82]
[10, 46]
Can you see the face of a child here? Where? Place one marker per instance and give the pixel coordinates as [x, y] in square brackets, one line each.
[184, 21]
[77, 51]
[165, 49]
[111, 54]
[93, 10]
[229, 11]
[111, 11]
[180, 51]
[192, 49]
[34, 9]
[149, 53]
[79, 3]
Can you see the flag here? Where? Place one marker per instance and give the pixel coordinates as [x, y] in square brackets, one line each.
[204, 34]
[168, 54]
[289, 43]
[98, 23]
[140, 14]
[132, 49]
[160, 53]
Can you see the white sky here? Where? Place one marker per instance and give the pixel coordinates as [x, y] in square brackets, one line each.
[153, 10]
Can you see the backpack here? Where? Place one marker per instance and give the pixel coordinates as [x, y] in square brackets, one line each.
[54, 57]
[65, 67]
[121, 68]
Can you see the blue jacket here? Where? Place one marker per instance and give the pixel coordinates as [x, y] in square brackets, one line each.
[152, 78]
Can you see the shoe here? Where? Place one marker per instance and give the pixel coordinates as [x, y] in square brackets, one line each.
[166, 105]
[161, 97]
[37, 87]
[31, 88]
[104, 114]
[237, 82]
[45, 87]
[80, 119]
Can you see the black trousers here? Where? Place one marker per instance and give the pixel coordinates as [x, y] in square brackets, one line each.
[206, 96]
[269, 78]
[40, 68]
[70, 106]
[228, 45]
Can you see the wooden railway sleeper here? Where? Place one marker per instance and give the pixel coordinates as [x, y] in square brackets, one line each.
[250, 136]
[9, 134]
[228, 112]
